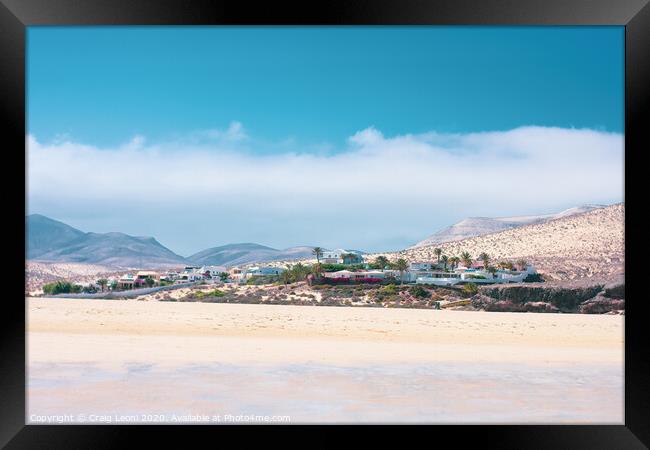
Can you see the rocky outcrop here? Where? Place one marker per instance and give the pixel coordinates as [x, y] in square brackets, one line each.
[565, 299]
[539, 297]
[615, 289]
[601, 304]
[486, 303]
[610, 299]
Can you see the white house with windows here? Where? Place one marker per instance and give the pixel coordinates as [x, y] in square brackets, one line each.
[356, 275]
[213, 271]
[341, 256]
[421, 266]
[264, 270]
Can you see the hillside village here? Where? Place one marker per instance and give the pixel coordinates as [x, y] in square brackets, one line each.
[584, 247]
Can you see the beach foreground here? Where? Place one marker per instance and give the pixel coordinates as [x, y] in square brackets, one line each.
[146, 361]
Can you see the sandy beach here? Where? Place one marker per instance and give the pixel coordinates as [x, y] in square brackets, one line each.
[358, 364]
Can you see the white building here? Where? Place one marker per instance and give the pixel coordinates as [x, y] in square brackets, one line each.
[421, 266]
[264, 270]
[357, 275]
[341, 256]
[213, 271]
[191, 276]
[477, 276]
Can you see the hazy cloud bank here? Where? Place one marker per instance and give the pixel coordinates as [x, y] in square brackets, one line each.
[379, 192]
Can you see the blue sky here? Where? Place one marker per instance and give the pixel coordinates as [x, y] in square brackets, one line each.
[320, 85]
[277, 93]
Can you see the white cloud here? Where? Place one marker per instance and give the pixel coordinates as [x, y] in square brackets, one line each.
[401, 187]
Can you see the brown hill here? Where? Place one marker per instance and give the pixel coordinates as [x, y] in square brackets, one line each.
[587, 245]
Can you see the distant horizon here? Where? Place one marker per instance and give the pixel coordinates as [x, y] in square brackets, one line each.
[370, 138]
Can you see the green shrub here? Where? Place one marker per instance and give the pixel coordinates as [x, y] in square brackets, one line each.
[419, 292]
[533, 278]
[389, 289]
[384, 293]
[61, 287]
[256, 280]
[213, 293]
[470, 288]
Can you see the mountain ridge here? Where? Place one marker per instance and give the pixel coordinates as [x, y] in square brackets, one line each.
[53, 241]
[578, 246]
[50, 240]
[480, 226]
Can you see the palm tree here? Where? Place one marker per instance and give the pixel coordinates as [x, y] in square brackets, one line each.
[522, 264]
[466, 258]
[438, 252]
[318, 252]
[401, 265]
[485, 258]
[102, 283]
[381, 262]
[491, 269]
[445, 260]
[454, 260]
[286, 276]
[317, 270]
[149, 281]
[299, 272]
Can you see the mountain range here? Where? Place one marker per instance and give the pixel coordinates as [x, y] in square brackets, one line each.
[54, 241]
[49, 240]
[479, 226]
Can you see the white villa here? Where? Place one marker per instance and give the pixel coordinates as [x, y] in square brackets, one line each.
[264, 270]
[241, 275]
[341, 256]
[422, 266]
[213, 271]
[348, 274]
[478, 276]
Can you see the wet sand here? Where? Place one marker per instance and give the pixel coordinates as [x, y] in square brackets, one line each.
[315, 364]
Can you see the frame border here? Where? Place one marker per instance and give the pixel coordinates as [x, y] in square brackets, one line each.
[16, 15]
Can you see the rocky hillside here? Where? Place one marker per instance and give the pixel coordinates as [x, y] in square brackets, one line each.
[587, 245]
[39, 273]
[479, 226]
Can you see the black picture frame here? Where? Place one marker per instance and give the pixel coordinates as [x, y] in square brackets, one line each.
[16, 15]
